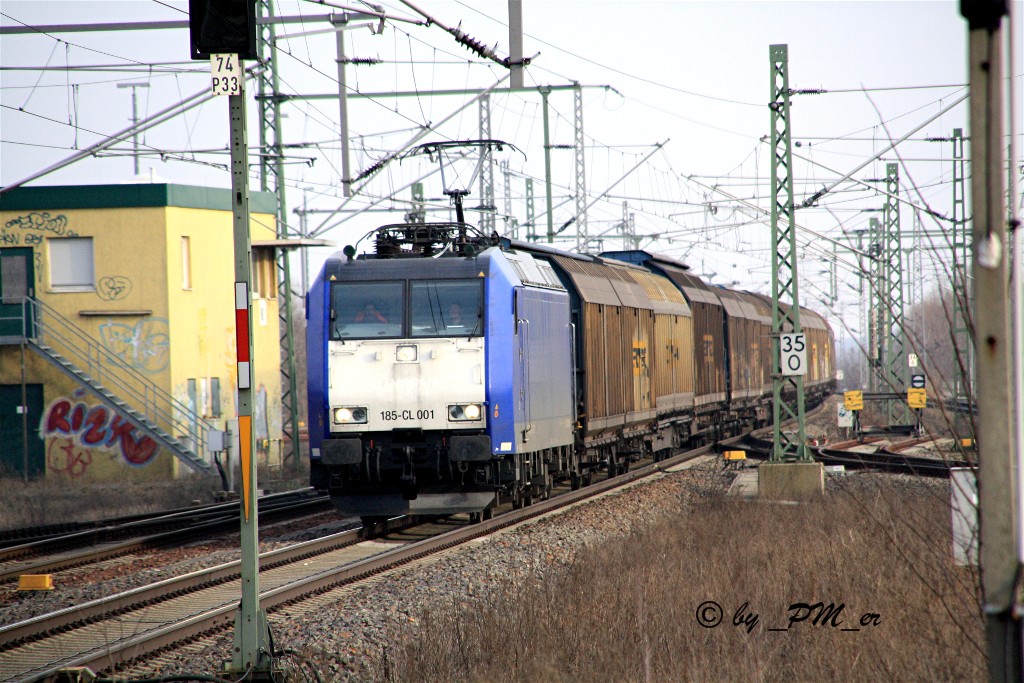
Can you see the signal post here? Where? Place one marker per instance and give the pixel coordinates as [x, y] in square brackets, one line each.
[224, 31]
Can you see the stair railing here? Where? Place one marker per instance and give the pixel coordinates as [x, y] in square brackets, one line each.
[105, 368]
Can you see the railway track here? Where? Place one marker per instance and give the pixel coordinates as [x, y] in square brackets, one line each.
[18, 541]
[889, 459]
[59, 552]
[106, 634]
[884, 460]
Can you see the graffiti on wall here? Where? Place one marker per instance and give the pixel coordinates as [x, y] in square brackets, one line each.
[93, 426]
[113, 288]
[65, 457]
[31, 230]
[41, 222]
[143, 346]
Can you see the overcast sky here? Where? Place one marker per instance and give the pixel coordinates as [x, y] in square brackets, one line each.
[693, 73]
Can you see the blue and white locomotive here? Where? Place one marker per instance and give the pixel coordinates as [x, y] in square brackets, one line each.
[441, 374]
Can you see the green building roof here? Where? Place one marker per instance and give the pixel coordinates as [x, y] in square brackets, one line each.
[128, 196]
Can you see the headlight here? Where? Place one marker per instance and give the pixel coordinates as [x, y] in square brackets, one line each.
[350, 415]
[406, 354]
[464, 412]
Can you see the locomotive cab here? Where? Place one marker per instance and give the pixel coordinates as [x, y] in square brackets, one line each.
[421, 393]
[405, 397]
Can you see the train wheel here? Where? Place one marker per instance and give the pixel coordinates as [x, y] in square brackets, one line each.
[574, 481]
[487, 514]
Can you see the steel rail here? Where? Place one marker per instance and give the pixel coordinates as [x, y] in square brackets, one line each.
[224, 521]
[35, 538]
[218, 612]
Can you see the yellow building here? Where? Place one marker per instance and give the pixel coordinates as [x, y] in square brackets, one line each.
[117, 330]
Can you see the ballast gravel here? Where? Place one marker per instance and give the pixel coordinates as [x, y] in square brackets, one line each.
[343, 633]
[94, 581]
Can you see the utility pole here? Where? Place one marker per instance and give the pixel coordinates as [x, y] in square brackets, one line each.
[894, 369]
[790, 473]
[581, 173]
[135, 120]
[876, 308]
[506, 187]
[487, 206]
[544, 92]
[962, 341]
[339, 44]
[272, 169]
[515, 42]
[629, 238]
[998, 498]
[531, 212]
[784, 267]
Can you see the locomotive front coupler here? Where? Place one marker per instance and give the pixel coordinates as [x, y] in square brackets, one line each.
[407, 483]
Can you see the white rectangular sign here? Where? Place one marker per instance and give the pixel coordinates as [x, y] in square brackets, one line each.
[227, 76]
[963, 499]
[845, 417]
[793, 350]
[912, 359]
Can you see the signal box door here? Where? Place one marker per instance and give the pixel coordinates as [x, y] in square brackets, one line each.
[20, 429]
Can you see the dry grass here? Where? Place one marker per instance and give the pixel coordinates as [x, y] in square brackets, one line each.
[41, 502]
[627, 611]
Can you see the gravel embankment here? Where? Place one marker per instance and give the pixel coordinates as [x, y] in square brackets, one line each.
[342, 632]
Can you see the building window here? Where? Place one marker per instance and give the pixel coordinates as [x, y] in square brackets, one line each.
[186, 264]
[204, 397]
[215, 396]
[264, 273]
[71, 264]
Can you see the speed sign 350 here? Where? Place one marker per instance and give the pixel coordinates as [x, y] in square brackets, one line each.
[793, 350]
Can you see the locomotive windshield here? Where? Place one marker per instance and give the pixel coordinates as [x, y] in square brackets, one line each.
[446, 308]
[367, 310]
[437, 308]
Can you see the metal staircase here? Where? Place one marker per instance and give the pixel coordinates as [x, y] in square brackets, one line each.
[152, 410]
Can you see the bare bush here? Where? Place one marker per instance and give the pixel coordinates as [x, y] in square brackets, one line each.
[627, 610]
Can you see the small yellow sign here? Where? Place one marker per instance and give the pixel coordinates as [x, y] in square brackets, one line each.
[916, 398]
[853, 400]
[35, 582]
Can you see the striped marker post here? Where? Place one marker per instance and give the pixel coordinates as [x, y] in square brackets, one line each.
[251, 646]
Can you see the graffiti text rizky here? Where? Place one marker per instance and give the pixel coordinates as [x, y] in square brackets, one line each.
[98, 427]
